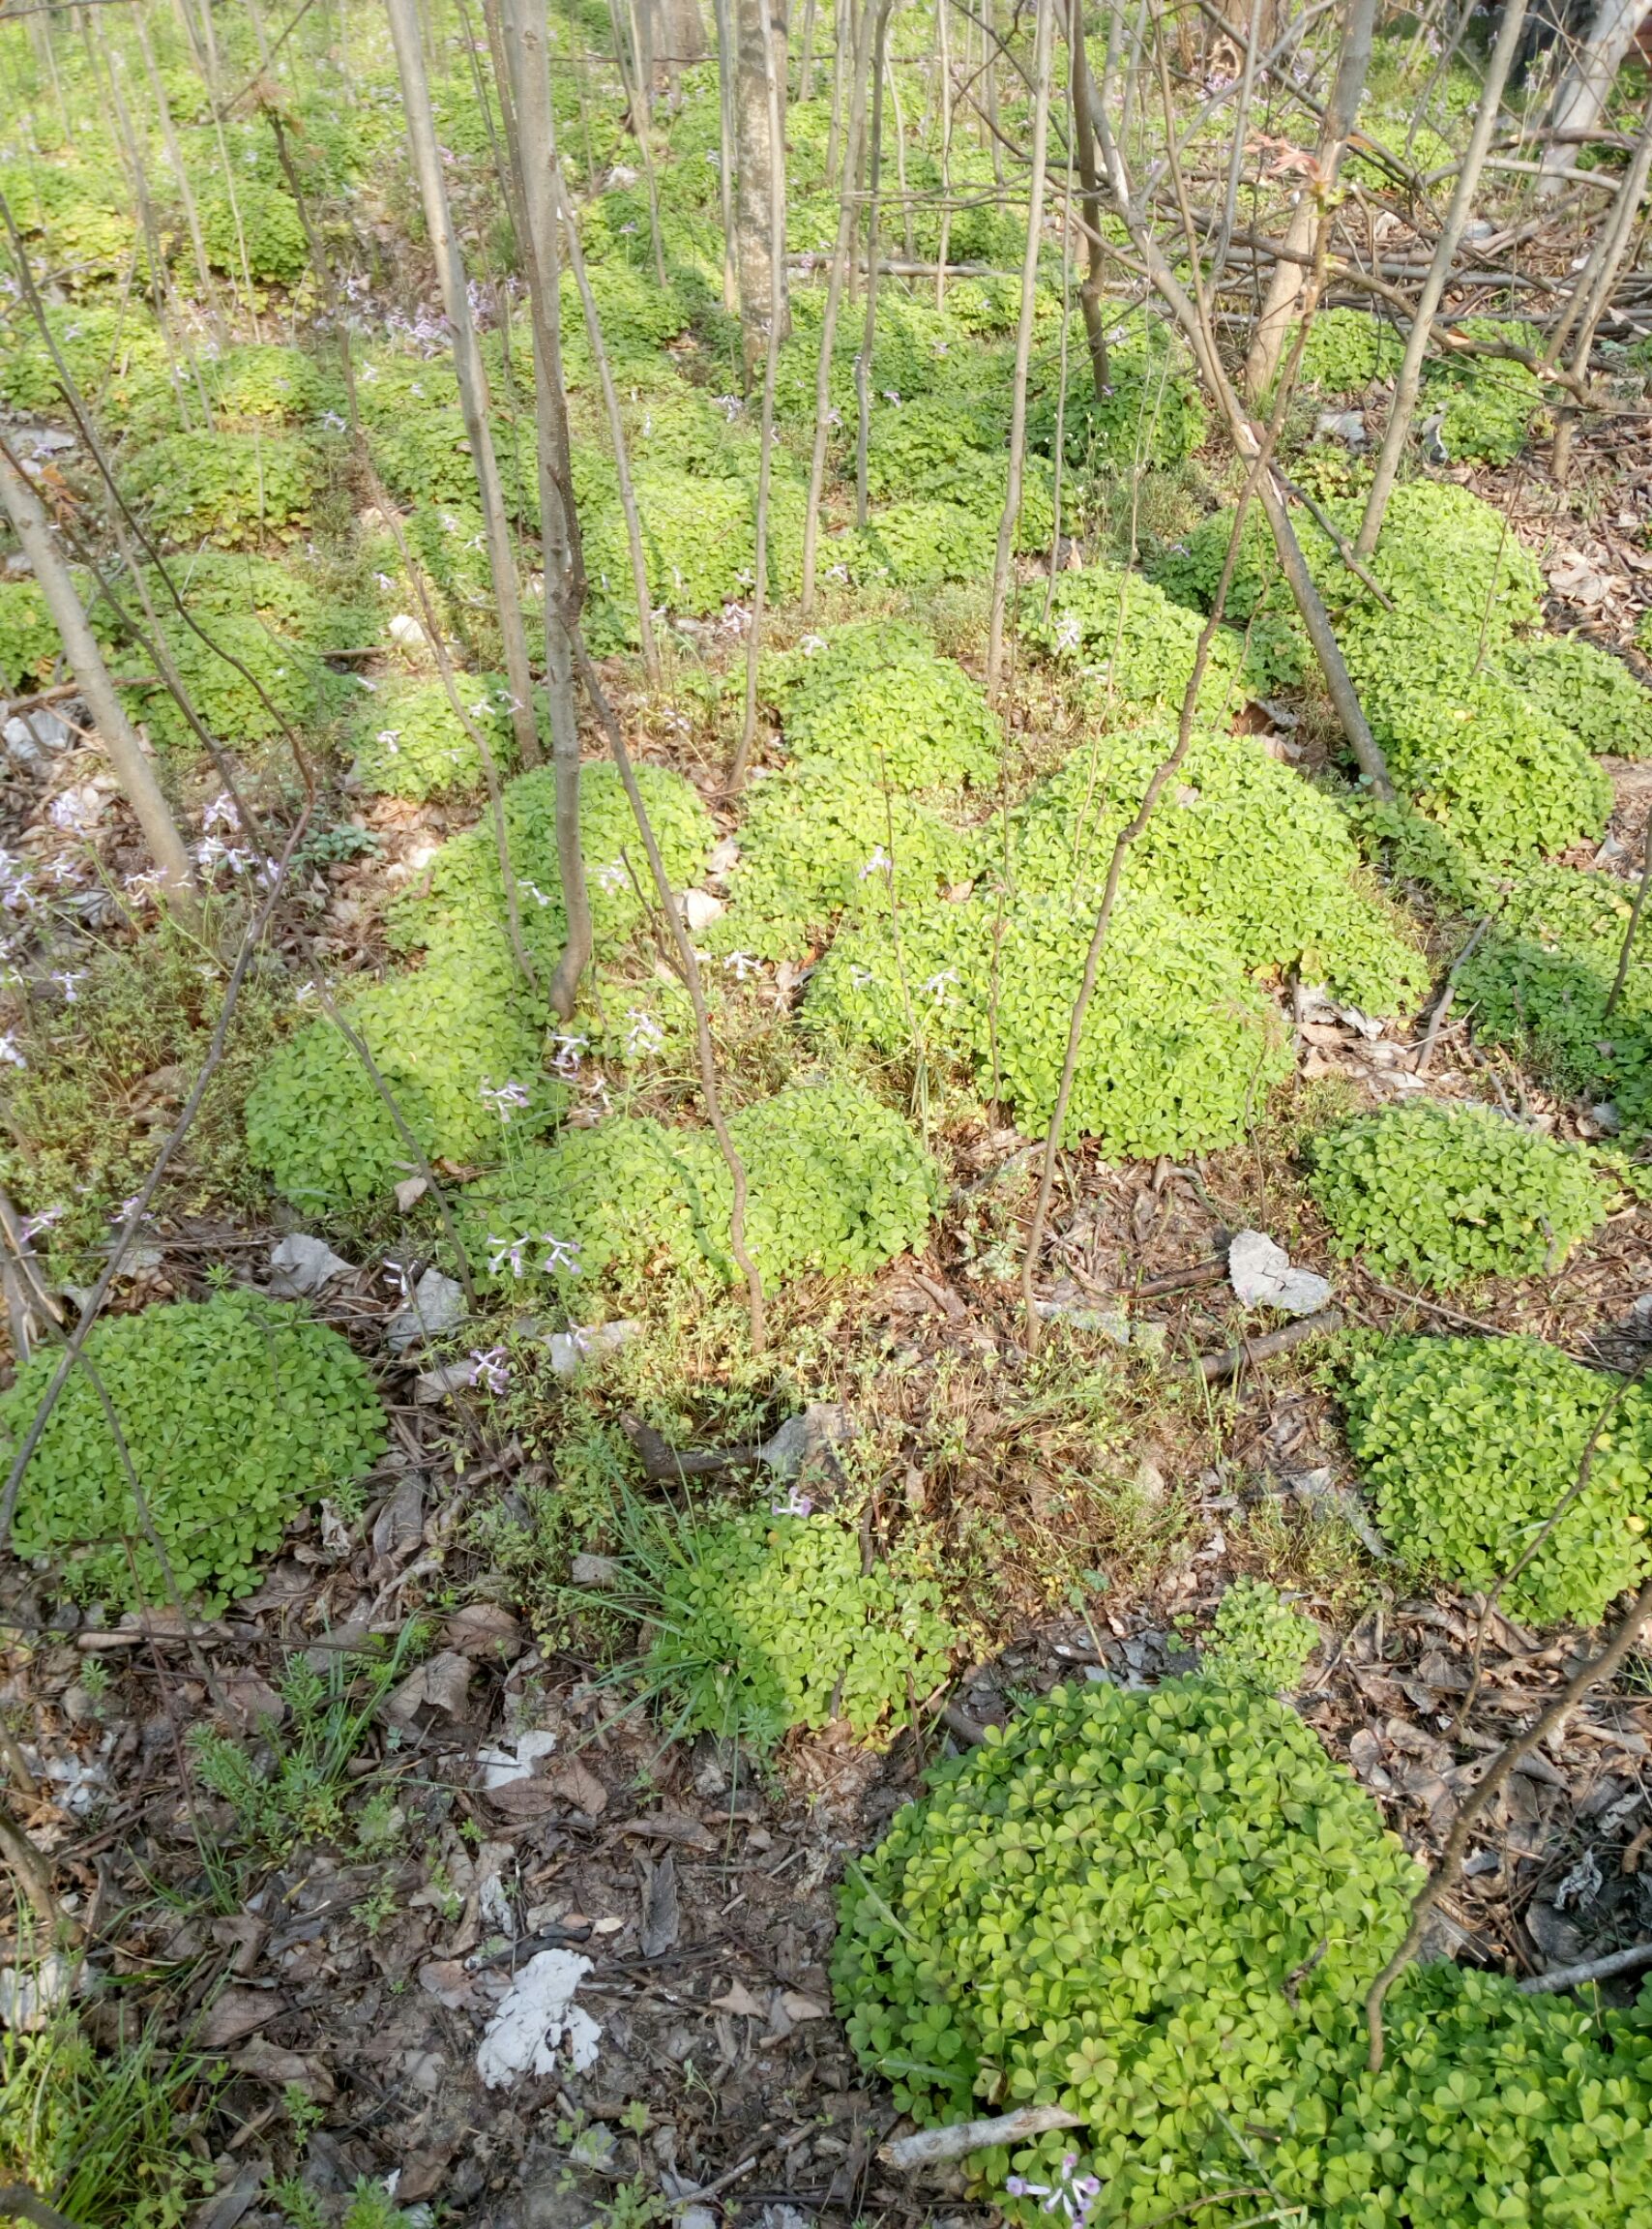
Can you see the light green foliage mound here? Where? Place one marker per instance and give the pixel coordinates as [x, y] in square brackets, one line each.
[414, 745]
[1469, 1445]
[461, 899]
[409, 409]
[1585, 689]
[1442, 1193]
[113, 351]
[1137, 645]
[28, 640]
[925, 445]
[1347, 349]
[767, 1623]
[76, 215]
[1488, 401]
[825, 841]
[918, 543]
[699, 545]
[1540, 980]
[437, 1037]
[226, 488]
[1178, 1049]
[1257, 1640]
[837, 1184]
[1238, 840]
[878, 701]
[1162, 1911]
[1159, 1910]
[1153, 413]
[262, 383]
[236, 1412]
[270, 230]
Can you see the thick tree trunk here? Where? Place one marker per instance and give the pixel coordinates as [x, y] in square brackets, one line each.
[1084, 132]
[758, 157]
[1580, 98]
[405, 30]
[130, 769]
[672, 34]
[1267, 345]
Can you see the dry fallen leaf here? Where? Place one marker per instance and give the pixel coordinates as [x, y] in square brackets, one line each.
[739, 1998]
[237, 2012]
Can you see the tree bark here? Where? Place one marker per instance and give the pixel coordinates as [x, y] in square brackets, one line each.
[1090, 202]
[468, 364]
[759, 155]
[1267, 345]
[535, 160]
[1410, 379]
[1580, 98]
[131, 769]
[1043, 40]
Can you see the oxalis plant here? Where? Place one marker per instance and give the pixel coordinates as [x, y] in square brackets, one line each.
[1161, 1911]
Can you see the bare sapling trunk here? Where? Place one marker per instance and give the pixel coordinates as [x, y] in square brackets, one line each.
[760, 170]
[180, 170]
[847, 216]
[1580, 98]
[727, 64]
[943, 86]
[467, 367]
[766, 436]
[1411, 378]
[868, 328]
[1090, 201]
[537, 180]
[1595, 289]
[126, 756]
[1278, 307]
[1043, 42]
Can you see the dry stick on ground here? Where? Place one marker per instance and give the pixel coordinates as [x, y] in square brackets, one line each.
[467, 367]
[934, 2147]
[125, 753]
[524, 91]
[1450, 1866]
[1448, 991]
[1194, 324]
[689, 967]
[766, 434]
[1043, 44]
[1408, 383]
[32, 1873]
[847, 213]
[1621, 977]
[1215, 1369]
[1591, 1970]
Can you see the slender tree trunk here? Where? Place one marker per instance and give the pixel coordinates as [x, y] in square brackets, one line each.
[758, 22]
[522, 25]
[728, 65]
[1090, 204]
[1580, 98]
[126, 756]
[1279, 307]
[180, 170]
[1594, 292]
[852, 60]
[1043, 41]
[1410, 379]
[869, 330]
[765, 454]
[943, 66]
[468, 367]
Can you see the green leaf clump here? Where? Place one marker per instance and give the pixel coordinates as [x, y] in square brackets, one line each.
[226, 486]
[438, 1036]
[1152, 413]
[236, 1413]
[699, 545]
[1586, 689]
[460, 900]
[1178, 1049]
[837, 1184]
[1131, 641]
[1161, 1910]
[767, 1621]
[262, 221]
[29, 645]
[1347, 351]
[1486, 402]
[878, 701]
[1443, 1194]
[113, 351]
[1257, 1640]
[413, 745]
[1238, 840]
[1470, 1445]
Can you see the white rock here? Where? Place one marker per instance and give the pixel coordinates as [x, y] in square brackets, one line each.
[301, 1264]
[1263, 1277]
[1342, 426]
[499, 1768]
[588, 1342]
[406, 632]
[701, 909]
[537, 2020]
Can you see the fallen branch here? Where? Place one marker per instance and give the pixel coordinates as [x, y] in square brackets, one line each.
[1448, 991]
[1591, 1970]
[1214, 1368]
[932, 2147]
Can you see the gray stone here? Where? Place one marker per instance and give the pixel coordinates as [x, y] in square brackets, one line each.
[301, 1264]
[587, 1343]
[814, 1437]
[1261, 1277]
[437, 1305]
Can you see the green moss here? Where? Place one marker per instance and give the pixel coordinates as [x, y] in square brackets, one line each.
[1178, 1049]
[838, 1184]
[1237, 840]
[438, 1037]
[236, 1413]
[1441, 1193]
